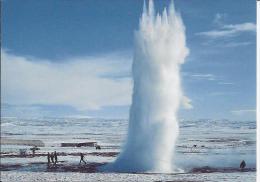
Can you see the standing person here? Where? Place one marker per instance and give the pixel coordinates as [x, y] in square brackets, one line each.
[49, 158]
[52, 156]
[82, 158]
[55, 157]
[242, 164]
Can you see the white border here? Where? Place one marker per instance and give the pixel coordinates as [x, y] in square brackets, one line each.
[258, 87]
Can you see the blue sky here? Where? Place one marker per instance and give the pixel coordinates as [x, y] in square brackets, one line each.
[73, 58]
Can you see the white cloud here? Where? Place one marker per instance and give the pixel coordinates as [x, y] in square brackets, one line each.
[225, 83]
[207, 77]
[236, 44]
[229, 30]
[241, 27]
[222, 93]
[84, 83]
[203, 76]
[243, 111]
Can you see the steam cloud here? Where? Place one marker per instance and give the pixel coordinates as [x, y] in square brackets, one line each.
[160, 49]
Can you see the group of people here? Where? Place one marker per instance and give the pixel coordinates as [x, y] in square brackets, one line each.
[52, 158]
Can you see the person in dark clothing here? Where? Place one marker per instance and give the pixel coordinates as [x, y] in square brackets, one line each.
[55, 157]
[49, 158]
[82, 158]
[242, 164]
[52, 157]
[98, 147]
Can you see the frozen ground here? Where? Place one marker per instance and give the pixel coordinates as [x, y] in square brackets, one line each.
[126, 177]
[220, 145]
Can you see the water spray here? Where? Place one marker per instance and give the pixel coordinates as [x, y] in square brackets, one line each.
[160, 49]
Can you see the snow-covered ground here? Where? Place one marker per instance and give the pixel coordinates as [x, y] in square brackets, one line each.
[125, 177]
[219, 144]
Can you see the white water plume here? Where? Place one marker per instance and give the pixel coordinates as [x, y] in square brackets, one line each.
[160, 49]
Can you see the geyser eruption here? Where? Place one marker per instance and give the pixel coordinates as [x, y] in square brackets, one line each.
[160, 49]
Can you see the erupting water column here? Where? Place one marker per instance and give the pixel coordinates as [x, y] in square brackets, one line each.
[160, 49]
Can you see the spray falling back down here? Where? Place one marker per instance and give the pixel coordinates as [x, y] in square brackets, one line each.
[160, 49]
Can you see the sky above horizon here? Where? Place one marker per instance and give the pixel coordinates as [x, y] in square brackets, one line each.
[73, 58]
